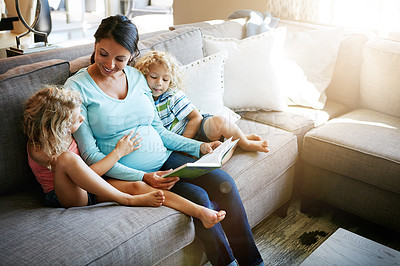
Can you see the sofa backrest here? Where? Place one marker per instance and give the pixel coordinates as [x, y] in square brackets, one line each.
[66, 54]
[344, 86]
[380, 76]
[16, 86]
[185, 44]
[235, 28]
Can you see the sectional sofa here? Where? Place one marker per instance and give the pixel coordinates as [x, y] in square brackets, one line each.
[337, 162]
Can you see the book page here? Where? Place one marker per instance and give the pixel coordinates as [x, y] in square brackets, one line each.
[219, 152]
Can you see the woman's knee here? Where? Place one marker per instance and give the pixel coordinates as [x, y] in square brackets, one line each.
[193, 193]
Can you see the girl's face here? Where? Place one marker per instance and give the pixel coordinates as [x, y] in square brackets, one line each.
[110, 57]
[158, 79]
[77, 119]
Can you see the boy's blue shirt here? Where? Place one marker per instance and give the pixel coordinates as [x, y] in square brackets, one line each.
[173, 108]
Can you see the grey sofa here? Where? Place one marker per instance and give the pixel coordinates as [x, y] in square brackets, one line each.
[110, 234]
[349, 152]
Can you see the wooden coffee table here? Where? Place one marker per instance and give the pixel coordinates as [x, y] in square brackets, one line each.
[346, 248]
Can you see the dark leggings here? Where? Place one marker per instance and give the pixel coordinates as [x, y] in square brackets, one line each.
[217, 190]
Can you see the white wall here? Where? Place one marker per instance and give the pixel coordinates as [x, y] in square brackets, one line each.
[188, 11]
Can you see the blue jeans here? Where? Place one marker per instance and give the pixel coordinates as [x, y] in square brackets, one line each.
[217, 190]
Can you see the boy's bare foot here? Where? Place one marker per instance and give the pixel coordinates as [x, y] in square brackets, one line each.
[253, 136]
[150, 199]
[252, 145]
[210, 217]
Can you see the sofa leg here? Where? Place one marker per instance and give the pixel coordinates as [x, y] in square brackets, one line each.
[305, 204]
[310, 206]
[282, 211]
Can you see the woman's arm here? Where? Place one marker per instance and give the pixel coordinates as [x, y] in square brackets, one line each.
[193, 124]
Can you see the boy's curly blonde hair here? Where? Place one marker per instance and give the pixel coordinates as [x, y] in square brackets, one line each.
[47, 118]
[168, 61]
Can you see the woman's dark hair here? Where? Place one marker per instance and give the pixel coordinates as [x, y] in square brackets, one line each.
[122, 30]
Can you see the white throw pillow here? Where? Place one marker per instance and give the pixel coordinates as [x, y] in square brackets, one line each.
[204, 85]
[310, 59]
[251, 79]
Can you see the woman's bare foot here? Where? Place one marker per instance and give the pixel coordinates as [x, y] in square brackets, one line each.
[251, 145]
[210, 217]
[253, 136]
[150, 199]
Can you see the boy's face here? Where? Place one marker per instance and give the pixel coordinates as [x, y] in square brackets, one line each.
[158, 79]
[77, 120]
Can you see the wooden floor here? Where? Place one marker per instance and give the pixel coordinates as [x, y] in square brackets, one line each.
[289, 240]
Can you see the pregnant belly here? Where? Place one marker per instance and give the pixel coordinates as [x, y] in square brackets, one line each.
[151, 155]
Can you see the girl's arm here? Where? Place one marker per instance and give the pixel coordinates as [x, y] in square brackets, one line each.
[193, 124]
[91, 153]
[125, 145]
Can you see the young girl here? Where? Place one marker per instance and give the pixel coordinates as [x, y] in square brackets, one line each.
[51, 116]
[176, 111]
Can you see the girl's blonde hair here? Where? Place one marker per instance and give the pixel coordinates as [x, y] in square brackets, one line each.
[47, 118]
[168, 61]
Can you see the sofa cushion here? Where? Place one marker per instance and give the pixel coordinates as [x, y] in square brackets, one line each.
[310, 59]
[185, 44]
[101, 234]
[362, 144]
[16, 85]
[298, 119]
[203, 82]
[264, 180]
[254, 85]
[380, 79]
[344, 87]
[365, 200]
[79, 63]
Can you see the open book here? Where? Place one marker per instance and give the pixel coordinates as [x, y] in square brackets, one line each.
[206, 163]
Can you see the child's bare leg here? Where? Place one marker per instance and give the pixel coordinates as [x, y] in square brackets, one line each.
[253, 136]
[73, 178]
[218, 126]
[207, 216]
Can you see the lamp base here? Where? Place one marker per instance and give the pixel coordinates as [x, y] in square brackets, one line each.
[30, 48]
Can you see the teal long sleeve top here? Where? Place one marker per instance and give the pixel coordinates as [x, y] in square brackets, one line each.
[107, 119]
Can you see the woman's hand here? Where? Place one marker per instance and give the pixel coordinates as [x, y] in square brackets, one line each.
[209, 147]
[128, 144]
[155, 180]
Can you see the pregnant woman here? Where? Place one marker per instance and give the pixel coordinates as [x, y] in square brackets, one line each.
[116, 101]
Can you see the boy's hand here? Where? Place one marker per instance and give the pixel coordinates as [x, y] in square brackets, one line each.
[209, 147]
[128, 144]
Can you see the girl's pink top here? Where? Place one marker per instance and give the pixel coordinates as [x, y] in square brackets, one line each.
[43, 175]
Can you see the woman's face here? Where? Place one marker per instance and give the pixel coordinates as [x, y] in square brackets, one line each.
[110, 56]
